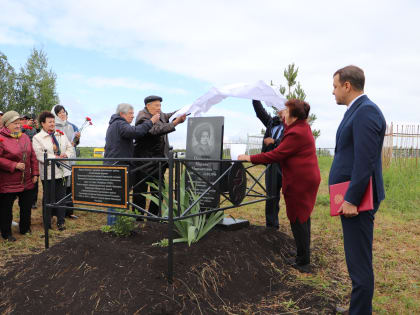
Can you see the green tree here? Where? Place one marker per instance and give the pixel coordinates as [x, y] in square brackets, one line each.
[7, 84]
[294, 90]
[36, 85]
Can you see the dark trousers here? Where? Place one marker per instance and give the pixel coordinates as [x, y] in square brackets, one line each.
[60, 193]
[69, 203]
[273, 183]
[6, 211]
[302, 235]
[139, 199]
[358, 239]
[35, 194]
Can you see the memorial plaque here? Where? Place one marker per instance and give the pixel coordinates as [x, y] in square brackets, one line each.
[100, 185]
[205, 141]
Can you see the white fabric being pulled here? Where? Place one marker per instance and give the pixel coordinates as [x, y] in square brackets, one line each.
[256, 91]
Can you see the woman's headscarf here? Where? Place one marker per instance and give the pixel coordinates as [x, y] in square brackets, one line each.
[64, 126]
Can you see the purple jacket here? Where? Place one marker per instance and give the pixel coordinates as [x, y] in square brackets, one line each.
[13, 151]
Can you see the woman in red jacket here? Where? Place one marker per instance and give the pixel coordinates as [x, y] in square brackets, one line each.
[18, 173]
[301, 177]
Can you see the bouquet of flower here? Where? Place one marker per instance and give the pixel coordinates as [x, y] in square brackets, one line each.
[27, 127]
[86, 123]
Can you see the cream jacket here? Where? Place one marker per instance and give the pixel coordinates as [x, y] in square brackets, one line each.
[43, 141]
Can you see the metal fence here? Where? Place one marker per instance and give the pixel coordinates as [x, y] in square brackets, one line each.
[174, 167]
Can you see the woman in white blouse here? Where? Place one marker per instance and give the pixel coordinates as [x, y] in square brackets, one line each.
[57, 146]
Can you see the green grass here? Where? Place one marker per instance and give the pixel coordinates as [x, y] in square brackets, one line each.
[396, 242]
[396, 245]
[87, 152]
[402, 187]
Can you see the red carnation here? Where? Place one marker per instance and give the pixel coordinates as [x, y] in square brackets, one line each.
[88, 119]
[27, 127]
[1, 140]
[90, 123]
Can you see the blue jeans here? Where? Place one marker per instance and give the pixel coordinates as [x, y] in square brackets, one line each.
[111, 219]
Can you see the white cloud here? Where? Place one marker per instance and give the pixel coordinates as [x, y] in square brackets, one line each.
[229, 41]
[122, 82]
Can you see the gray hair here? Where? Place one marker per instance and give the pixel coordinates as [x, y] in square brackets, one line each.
[124, 108]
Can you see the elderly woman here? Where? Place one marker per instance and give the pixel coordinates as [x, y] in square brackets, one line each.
[296, 154]
[73, 135]
[18, 173]
[57, 146]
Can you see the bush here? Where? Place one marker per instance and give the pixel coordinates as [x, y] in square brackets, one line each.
[123, 226]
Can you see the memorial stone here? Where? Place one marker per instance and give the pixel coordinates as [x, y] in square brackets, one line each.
[205, 141]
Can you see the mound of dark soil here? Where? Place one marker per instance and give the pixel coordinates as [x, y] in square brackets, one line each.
[95, 273]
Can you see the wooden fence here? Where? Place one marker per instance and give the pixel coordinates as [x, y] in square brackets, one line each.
[401, 144]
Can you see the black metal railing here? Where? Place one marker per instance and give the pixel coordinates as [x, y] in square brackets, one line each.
[175, 167]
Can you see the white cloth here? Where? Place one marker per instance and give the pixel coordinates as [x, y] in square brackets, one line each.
[257, 91]
[237, 149]
[43, 141]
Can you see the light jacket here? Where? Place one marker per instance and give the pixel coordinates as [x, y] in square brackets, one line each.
[13, 151]
[43, 141]
[67, 127]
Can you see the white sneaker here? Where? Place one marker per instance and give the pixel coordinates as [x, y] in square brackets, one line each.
[15, 223]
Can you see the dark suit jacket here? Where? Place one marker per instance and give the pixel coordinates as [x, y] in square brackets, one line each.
[358, 151]
[269, 122]
[155, 142]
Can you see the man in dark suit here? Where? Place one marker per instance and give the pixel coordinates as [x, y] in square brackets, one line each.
[357, 157]
[273, 177]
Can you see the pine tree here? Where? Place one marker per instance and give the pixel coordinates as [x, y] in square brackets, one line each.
[36, 85]
[295, 91]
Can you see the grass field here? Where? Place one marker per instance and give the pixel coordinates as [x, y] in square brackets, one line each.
[396, 240]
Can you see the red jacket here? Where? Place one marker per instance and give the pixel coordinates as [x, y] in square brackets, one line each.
[301, 177]
[12, 152]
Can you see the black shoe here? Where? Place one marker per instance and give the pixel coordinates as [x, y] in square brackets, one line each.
[290, 253]
[61, 227]
[72, 216]
[341, 310]
[28, 231]
[303, 268]
[290, 261]
[11, 238]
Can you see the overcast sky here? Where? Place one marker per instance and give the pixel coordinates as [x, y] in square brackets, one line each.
[105, 53]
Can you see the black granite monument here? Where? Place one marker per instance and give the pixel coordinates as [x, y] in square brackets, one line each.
[205, 141]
